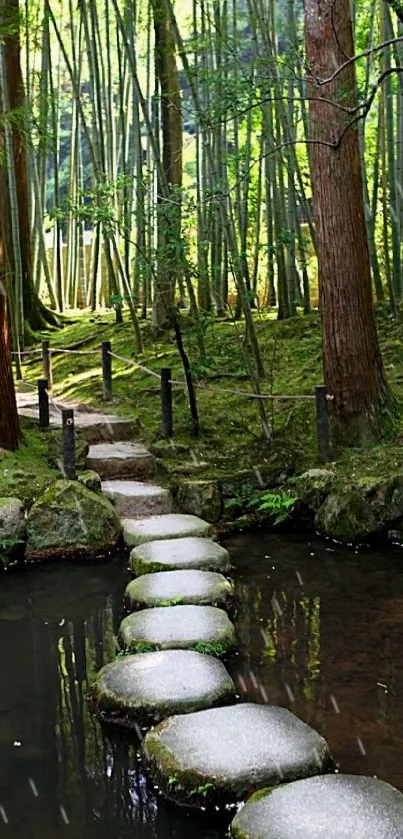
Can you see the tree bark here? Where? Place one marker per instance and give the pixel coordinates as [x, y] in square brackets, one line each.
[169, 209]
[353, 370]
[9, 424]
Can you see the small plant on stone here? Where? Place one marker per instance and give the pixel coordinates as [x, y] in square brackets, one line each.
[203, 789]
[210, 649]
[173, 780]
[174, 602]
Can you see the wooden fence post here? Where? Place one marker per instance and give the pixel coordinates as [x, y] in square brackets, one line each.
[47, 363]
[69, 445]
[43, 401]
[322, 423]
[166, 404]
[107, 371]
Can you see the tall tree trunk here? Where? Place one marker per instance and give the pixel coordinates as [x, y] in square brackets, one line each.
[9, 425]
[169, 210]
[353, 369]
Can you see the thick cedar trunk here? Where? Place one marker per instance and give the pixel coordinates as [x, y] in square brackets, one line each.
[36, 316]
[9, 425]
[353, 368]
[169, 209]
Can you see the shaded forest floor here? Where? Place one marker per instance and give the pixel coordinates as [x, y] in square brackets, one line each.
[231, 436]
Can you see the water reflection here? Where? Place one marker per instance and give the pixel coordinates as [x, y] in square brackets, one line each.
[321, 633]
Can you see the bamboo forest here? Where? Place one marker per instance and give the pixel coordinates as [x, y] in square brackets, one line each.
[201, 419]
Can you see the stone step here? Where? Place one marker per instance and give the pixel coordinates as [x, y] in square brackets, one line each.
[325, 807]
[201, 628]
[222, 755]
[96, 427]
[138, 499]
[144, 689]
[121, 460]
[179, 554]
[171, 588]
[171, 526]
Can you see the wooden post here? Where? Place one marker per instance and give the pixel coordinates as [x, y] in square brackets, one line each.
[107, 371]
[322, 423]
[166, 403]
[43, 401]
[69, 445]
[47, 363]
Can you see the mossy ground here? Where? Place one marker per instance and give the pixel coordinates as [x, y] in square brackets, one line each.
[26, 473]
[231, 433]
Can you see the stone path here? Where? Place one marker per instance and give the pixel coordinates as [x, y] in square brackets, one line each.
[201, 754]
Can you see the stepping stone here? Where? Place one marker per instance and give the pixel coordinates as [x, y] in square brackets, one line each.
[96, 427]
[222, 755]
[121, 460]
[171, 588]
[179, 554]
[134, 498]
[144, 689]
[327, 807]
[172, 526]
[203, 628]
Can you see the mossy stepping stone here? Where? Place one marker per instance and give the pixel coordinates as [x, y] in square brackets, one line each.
[147, 688]
[327, 807]
[222, 755]
[176, 554]
[170, 526]
[171, 588]
[204, 628]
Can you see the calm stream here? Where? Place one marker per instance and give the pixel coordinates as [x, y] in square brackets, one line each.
[321, 632]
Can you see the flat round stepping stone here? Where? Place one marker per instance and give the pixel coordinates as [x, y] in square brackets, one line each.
[176, 554]
[222, 755]
[172, 526]
[146, 688]
[121, 460]
[204, 628]
[135, 498]
[172, 588]
[327, 807]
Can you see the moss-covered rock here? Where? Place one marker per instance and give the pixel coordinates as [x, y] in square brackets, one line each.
[313, 486]
[90, 479]
[12, 528]
[346, 516]
[385, 495]
[169, 448]
[201, 498]
[55, 449]
[68, 518]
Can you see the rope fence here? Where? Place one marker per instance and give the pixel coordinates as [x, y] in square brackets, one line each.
[167, 383]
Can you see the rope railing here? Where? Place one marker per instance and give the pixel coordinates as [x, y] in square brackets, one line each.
[320, 397]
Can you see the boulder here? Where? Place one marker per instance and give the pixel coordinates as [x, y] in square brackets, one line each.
[171, 588]
[325, 807]
[169, 448]
[185, 553]
[12, 528]
[313, 486]
[90, 479]
[69, 518]
[55, 449]
[385, 495]
[201, 498]
[147, 688]
[202, 628]
[222, 755]
[346, 516]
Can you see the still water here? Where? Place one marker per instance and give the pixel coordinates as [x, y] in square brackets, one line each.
[321, 632]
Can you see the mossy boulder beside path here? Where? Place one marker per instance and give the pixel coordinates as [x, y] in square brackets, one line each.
[222, 755]
[146, 688]
[326, 807]
[347, 516]
[70, 519]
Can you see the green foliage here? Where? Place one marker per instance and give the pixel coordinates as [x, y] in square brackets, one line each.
[279, 504]
[174, 602]
[203, 789]
[210, 649]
